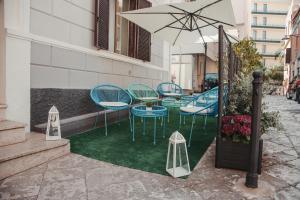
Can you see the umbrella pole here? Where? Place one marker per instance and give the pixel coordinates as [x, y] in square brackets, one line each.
[205, 60]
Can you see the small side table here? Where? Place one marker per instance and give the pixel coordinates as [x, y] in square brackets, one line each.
[141, 111]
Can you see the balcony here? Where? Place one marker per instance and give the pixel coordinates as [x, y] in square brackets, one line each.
[271, 26]
[266, 40]
[269, 12]
[268, 54]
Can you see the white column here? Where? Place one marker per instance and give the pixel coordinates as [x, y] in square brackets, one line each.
[17, 61]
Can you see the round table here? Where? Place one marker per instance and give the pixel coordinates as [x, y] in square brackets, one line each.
[143, 112]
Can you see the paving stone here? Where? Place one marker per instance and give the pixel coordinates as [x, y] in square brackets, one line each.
[279, 157]
[64, 174]
[20, 187]
[76, 161]
[288, 193]
[295, 163]
[289, 174]
[68, 190]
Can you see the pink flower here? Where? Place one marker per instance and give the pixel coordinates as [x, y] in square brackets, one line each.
[245, 131]
[228, 129]
[226, 119]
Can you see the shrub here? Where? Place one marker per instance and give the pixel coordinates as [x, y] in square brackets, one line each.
[240, 103]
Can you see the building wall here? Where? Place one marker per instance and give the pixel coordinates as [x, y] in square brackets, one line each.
[275, 29]
[2, 55]
[65, 65]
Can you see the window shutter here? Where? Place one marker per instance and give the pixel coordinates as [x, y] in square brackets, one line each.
[132, 40]
[143, 47]
[101, 24]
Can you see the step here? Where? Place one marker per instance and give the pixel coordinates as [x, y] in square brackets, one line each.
[11, 132]
[34, 151]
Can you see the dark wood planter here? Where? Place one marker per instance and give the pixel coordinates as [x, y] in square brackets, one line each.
[234, 155]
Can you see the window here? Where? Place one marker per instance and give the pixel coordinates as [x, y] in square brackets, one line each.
[264, 48]
[254, 34]
[121, 28]
[101, 24]
[130, 39]
[264, 35]
[265, 7]
[255, 7]
[265, 21]
[254, 20]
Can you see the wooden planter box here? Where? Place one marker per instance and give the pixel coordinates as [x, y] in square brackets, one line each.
[234, 155]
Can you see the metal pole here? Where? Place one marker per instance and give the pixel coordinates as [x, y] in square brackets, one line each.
[204, 70]
[252, 177]
[220, 95]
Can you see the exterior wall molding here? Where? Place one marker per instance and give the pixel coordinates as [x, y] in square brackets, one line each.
[101, 53]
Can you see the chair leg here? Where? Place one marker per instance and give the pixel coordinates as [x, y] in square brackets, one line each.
[191, 132]
[144, 126]
[205, 121]
[97, 117]
[164, 128]
[179, 120]
[132, 128]
[129, 115]
[105, 123]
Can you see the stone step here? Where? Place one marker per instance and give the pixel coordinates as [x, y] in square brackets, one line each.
[11, 132]
[34, 151]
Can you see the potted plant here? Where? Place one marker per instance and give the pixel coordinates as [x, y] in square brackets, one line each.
[149, 105]
[234, 145]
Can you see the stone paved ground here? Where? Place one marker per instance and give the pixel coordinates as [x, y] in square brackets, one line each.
[77, 177]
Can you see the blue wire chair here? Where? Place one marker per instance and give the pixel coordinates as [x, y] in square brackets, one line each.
[111, 97]
[205, 104]
[143, 92]
[167, 89]
[210, 109]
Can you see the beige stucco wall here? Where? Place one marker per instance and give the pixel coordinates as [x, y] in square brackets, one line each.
[2, 43]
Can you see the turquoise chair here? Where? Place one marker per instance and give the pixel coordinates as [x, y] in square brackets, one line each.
[143, 92]
[110, 97]
[167, 89]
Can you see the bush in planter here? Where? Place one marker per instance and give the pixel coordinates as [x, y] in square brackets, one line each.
[234, 148]
[240, 103]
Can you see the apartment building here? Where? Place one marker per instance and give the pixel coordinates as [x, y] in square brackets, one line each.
[268, 28]
[292, 41]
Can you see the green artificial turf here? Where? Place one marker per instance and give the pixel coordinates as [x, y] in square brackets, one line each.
[117, 147]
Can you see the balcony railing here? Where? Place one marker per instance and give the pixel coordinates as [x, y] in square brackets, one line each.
[268, 54]
[274, 26]
[267, 40]
[269, 12]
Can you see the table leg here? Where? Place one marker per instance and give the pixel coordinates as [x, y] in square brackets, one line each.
[154, 135]
[168, 115]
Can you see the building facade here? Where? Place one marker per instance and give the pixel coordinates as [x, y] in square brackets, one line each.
[292, 41]
[268, 29]
[50, 57]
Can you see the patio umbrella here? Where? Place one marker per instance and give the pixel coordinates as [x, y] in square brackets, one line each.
[184, 23]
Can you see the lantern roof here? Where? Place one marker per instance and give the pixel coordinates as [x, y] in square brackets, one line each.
[53, 110]
[177, 137]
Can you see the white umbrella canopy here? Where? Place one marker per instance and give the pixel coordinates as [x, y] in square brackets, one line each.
[183, 23]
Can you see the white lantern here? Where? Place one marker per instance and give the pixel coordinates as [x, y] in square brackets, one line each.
[177, 160]
[53, 125]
